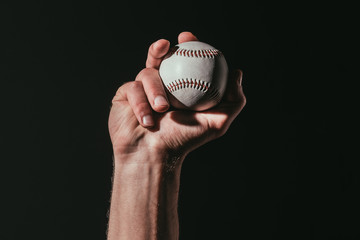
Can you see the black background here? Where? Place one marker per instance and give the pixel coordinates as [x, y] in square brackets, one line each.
[286, 169]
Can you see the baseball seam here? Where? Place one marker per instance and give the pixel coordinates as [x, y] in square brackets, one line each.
[202, 53]
[194, 84]
[188, 83]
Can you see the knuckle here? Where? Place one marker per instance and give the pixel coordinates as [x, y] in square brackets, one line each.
[219, 132]
[219, 127]
[123, 88]
[151, 81]
[126, 89]
[120, 90]
[134, 86]
[119, 93]
[144, 74]
[142, 109]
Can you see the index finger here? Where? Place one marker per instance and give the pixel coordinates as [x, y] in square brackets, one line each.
[158, 49]
[186, 37]
[156, 52]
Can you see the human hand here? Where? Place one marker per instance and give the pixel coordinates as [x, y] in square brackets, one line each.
[141, 118]
[150, 139]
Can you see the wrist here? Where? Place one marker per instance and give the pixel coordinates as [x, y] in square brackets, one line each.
[144, 198]
[132, 158]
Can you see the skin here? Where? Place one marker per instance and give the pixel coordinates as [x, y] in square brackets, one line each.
[150, 142]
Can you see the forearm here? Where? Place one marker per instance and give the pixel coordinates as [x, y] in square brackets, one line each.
[144, 197]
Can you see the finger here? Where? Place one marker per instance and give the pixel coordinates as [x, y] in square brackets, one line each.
[156, 52]
[154, 89]
[233, 102]
[133, 92]
[186, 37]
[234, 92]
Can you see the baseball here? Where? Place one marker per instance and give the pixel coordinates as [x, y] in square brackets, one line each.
[195, 75]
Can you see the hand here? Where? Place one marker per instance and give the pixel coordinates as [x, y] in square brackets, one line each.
[140, 118]
[148, 137]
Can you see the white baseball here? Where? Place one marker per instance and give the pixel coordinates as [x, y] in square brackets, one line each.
[195, 75]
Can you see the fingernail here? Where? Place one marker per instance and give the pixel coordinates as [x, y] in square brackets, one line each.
[148, 120]
[160, 101]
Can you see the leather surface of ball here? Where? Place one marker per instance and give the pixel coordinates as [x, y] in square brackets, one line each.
[195, 75]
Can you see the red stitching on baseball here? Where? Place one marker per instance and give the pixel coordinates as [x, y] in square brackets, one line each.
[188, 83]
[178, 84]
[203, 53]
